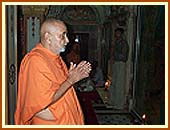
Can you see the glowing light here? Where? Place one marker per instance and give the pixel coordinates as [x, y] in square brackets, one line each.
[76, 40]
[107, 84]
[144, 116]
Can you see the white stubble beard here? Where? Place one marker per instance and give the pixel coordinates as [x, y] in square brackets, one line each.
[62, 49]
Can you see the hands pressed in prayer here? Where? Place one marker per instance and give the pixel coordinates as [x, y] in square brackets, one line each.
[78, 72]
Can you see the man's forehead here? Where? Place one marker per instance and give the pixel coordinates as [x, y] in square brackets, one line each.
[58, 27]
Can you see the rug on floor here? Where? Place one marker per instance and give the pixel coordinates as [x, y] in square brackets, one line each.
[115, 119]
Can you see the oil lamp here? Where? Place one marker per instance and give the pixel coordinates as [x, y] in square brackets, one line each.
[107, 84]
[143, 119]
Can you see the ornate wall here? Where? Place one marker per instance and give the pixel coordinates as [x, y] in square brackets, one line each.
[150, 87]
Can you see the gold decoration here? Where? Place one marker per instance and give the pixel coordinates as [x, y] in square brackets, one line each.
[35, 10]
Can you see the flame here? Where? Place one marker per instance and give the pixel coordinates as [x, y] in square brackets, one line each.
[144, 116]
[107, 83]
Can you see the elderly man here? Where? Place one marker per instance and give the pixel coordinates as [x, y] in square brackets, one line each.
[45, 92]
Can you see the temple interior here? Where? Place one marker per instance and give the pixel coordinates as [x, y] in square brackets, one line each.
[92, 28]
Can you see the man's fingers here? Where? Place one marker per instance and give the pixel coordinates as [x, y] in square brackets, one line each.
[84, 64]
[72, 66]
[81, 64]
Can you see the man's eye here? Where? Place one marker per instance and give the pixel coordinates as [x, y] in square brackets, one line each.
[64, 35]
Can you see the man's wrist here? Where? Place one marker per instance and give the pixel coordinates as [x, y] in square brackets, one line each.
[68, 81]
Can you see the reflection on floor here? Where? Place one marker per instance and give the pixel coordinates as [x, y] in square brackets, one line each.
[106, 115]
[97, 112]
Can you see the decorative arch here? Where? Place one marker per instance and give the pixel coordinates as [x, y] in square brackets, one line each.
[79, 14]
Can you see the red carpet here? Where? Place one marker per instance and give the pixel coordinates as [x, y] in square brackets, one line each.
[86, 99]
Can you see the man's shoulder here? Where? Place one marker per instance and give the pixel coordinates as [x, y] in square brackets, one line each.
[123, 40]
[33, 56]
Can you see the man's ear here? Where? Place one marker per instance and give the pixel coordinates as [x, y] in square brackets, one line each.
[47, 37]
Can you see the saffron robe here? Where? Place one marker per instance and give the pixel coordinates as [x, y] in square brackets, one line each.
[41, 74]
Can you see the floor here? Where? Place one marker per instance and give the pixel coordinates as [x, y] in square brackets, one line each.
[97, 112]
[108, 116]
[115, 119]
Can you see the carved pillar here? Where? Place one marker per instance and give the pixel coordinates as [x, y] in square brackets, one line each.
[33, 17]
[99, 44]
[129, 64]
[11, 51]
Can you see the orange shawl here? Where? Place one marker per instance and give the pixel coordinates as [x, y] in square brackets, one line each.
[41, 74]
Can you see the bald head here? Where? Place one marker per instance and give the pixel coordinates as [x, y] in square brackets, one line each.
[54, 35]
[50, 25]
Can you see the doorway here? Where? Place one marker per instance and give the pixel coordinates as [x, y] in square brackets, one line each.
[82, 40]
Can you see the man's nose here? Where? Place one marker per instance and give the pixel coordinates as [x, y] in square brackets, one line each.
[67, 40]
